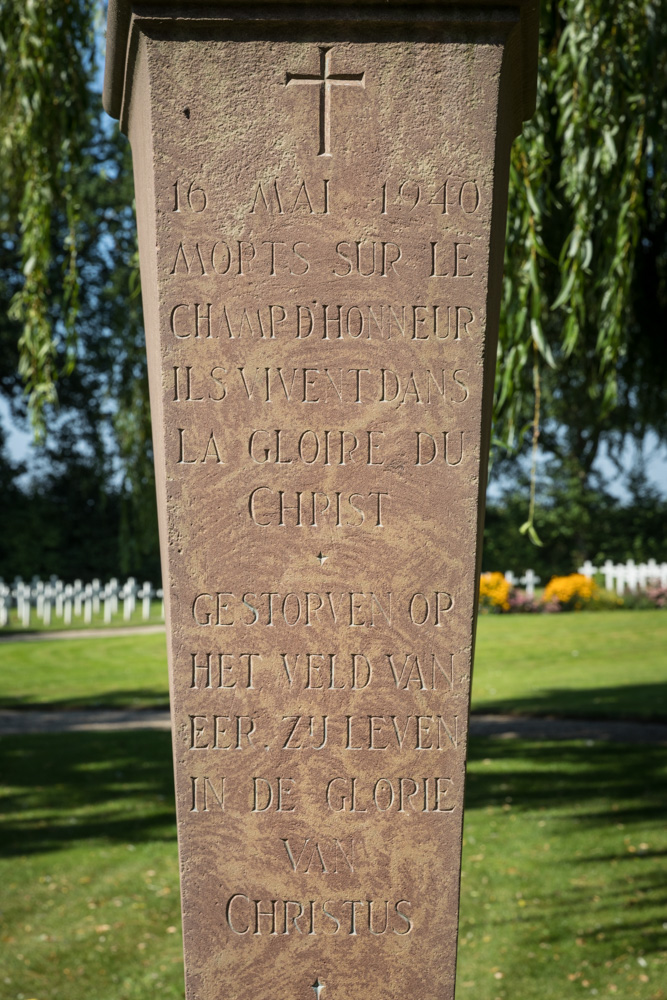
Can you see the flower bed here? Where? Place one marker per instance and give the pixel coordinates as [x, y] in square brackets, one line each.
[574, 592]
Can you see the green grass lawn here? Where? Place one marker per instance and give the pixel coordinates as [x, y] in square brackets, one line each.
[604, 664]
[89, 869]
[114, 672]
[565, 865]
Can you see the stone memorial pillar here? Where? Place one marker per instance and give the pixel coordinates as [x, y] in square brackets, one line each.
[321, 197]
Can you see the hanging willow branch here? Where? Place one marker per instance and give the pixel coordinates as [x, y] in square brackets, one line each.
[578, 196]
[529, 526]
[46, 61]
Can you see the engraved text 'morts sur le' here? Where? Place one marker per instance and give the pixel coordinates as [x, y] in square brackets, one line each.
[370, 258]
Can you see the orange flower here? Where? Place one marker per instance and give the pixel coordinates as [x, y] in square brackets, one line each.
[494, 592]
[573, 591]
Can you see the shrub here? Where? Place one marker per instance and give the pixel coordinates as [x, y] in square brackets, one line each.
[657, 596]
[607, 600]
[573, 592]
[521, 603]
[652, 597]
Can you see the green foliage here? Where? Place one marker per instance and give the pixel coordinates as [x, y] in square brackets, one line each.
[46, 62]
[132, 431]
[576, 520]
[85, 504]
[69, 517]
[588, 192]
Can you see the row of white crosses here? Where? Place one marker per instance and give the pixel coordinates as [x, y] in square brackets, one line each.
[529, 580]
[617, 576]
[628, 576]
[56, 599]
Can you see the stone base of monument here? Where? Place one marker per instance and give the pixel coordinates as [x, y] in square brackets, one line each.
[321, 196]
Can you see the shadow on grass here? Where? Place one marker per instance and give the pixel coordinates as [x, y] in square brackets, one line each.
[627, 701]
[598, 795]
[88, 789]
[58, 789]
[581, 778]
[643, 702]
[133, 699]
[62, 787]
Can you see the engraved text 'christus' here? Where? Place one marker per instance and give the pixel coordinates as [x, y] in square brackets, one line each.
[310, 917]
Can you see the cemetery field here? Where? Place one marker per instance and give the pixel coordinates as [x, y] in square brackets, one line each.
[564, 861]
[58, 624]
[597, 664]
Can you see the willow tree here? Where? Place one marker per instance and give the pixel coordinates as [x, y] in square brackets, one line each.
[70, 305]
[582, 353]
[46, 64]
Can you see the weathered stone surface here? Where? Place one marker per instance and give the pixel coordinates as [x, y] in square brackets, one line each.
[321, 195]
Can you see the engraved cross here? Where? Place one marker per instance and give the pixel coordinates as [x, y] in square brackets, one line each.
[325, 81]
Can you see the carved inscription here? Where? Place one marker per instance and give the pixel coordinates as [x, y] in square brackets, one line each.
[305, 670]
[446, 198]
[277, 197]
[327, 409]
[349, 609]
[321, 385]
[363, 257]
[317, 857]
[308, 917]
[383, 321]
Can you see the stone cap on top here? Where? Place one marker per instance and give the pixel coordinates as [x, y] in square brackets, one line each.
[120, 51]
